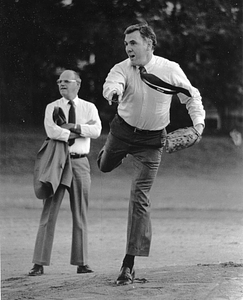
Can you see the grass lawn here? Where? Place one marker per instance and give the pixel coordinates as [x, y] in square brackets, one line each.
[214, 155]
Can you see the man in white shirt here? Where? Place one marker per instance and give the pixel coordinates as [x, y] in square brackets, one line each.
[138, 128]
[76, 134]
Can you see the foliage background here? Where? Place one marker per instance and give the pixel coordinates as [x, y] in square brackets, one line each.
[41, 38]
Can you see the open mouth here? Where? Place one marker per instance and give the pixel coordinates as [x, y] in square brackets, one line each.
[132, 56]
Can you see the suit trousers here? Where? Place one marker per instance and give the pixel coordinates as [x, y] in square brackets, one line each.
[146, 152]
[79, 195]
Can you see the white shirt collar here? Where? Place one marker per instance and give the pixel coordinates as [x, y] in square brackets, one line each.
[74, 100]
[149, 64]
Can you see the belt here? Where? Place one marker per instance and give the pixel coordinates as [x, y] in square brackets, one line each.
[76, 155]
[138, 130]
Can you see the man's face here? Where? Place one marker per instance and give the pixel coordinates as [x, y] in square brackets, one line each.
[68, 86]
[138, 50]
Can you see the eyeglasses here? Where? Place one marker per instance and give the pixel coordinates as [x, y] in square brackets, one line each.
[67, 81]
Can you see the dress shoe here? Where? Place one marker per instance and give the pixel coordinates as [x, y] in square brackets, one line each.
[84, 269]
[37, 270]
[126, 276]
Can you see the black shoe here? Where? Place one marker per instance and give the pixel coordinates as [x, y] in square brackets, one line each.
[126, 276]
[37, 270]
[84, 269]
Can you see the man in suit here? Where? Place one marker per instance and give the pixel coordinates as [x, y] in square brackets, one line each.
[83, 124]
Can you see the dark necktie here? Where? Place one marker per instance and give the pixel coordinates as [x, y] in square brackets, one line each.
[71, 118]
[156, 83]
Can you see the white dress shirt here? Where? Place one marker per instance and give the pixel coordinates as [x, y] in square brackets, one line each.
[86, 116]
[144, 107]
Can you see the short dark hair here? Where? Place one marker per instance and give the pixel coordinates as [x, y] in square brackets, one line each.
[145, 30]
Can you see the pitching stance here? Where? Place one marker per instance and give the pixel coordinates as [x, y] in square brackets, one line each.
[144, 85]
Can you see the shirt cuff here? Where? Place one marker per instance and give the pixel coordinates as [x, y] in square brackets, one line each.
[198, 121]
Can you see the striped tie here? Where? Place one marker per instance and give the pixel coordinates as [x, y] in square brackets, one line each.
[156, 83]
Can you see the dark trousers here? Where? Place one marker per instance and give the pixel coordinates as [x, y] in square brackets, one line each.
[146, 148]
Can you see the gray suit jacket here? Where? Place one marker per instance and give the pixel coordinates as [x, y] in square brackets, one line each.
[52, 167]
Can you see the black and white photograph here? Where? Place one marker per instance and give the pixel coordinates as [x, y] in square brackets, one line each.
[121, 154]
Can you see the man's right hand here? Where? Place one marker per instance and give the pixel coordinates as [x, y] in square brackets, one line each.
[114, 96]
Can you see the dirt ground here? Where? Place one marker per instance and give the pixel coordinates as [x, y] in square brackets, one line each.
[196, 253]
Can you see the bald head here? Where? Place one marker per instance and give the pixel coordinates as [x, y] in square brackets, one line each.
[72, 74]
[69, 84]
